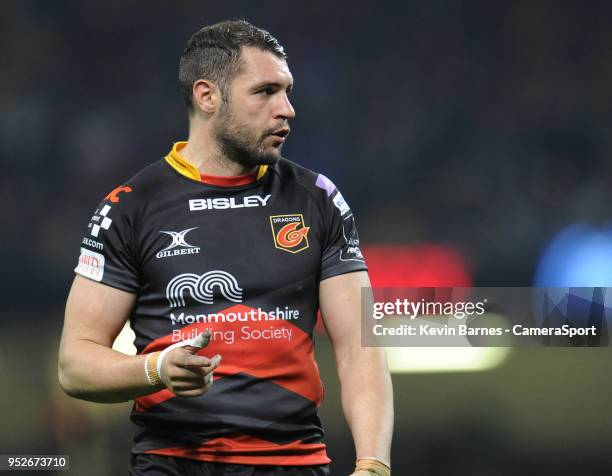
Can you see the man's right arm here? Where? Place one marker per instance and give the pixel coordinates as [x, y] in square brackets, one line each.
[89, 369]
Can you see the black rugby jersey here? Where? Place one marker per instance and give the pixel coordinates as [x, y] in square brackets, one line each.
[244, 262]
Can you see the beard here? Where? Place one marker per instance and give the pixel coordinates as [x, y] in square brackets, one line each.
[241, 144]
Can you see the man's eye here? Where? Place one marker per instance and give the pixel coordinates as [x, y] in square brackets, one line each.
[267, 91]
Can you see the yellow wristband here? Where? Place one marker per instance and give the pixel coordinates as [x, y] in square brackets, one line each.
[373, 466]
[151, 369]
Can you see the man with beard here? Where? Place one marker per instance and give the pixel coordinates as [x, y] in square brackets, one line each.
[220, 255]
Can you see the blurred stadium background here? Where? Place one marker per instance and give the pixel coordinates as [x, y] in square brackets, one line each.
[472, 140]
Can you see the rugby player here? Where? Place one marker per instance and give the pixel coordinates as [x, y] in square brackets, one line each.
[220, 255]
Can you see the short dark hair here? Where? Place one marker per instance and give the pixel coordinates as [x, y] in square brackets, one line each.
[214, 53]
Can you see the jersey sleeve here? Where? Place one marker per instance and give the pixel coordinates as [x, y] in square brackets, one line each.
[107, 250]
[341, 252]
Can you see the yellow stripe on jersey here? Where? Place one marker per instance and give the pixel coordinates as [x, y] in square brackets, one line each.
[186, 168]
[262, 171]
[181, 165]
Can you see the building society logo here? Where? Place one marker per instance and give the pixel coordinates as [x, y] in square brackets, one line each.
[202, 288]
[290, 232]
[178, 240]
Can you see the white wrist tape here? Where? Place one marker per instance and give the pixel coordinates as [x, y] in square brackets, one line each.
[200, 341]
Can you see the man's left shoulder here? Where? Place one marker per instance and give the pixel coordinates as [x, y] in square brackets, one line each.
[316, 183]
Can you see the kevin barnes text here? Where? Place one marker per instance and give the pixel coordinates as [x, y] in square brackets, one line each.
[464, 330]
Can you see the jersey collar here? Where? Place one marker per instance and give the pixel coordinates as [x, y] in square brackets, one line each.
[187, 169]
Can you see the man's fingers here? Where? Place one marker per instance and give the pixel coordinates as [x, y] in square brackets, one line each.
[197, 343]
[188, 375]
[215, 361]
[202, 340]
[207, 364]
[183, 390]
[183, 359]
[192, 383]
[190, 349]
[192, 374]
[190, 393]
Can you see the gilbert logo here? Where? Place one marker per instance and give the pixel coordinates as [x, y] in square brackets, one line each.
[290, 232]
[178, 241]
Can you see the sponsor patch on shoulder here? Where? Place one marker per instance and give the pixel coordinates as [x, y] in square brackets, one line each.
[91, 265]
[341, 204]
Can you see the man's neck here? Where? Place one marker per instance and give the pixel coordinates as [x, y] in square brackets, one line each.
[205, 154]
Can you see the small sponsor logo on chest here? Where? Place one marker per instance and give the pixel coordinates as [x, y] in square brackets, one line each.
[178, 246]
[225, 203]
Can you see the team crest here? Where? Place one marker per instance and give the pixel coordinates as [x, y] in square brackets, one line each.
[290, 232]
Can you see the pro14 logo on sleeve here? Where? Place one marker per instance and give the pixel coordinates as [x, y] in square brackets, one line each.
[341, 204]
[290, 232]
[91, 265]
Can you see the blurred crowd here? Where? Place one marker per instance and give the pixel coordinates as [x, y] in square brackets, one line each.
[485, 128]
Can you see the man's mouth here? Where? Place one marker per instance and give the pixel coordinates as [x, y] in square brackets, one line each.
[282, 133]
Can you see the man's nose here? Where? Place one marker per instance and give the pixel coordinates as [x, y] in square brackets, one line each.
[285, 109]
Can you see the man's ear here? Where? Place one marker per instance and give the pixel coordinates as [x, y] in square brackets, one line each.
[206, 96]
